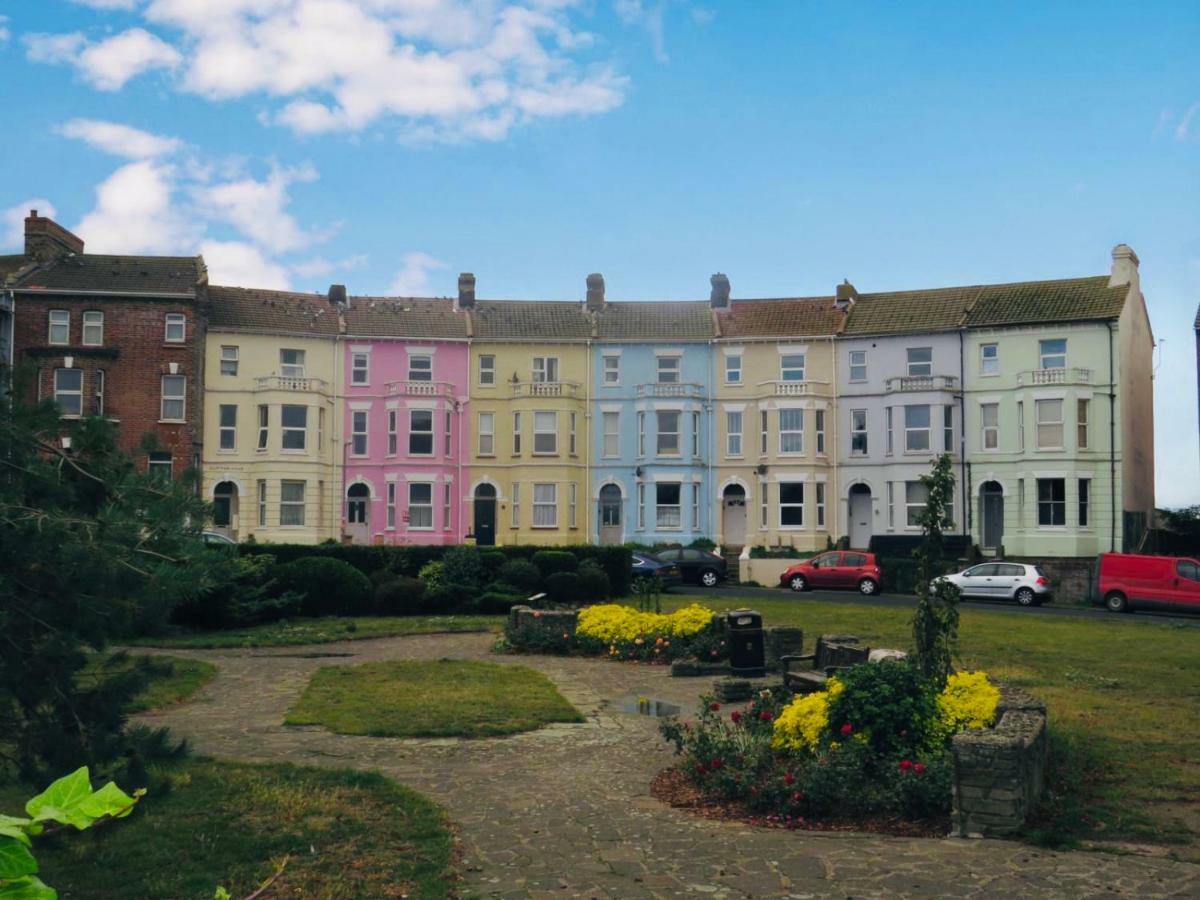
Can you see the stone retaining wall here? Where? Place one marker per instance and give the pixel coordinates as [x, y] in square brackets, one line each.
[1000, 772]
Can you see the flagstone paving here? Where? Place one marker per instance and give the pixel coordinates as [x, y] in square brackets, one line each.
[566, 811]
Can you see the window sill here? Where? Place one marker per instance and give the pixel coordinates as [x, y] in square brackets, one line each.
[1051, 449]
[989, 374]
[292, 451]
[545, 454]
[232, 452]
[160, 421]
[179, 344]
[412, 455]
[543, 527]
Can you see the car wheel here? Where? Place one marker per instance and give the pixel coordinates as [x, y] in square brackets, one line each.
[1116, 602]
[1025, 596]
[709, 578]
[798, 583]
[868, 586]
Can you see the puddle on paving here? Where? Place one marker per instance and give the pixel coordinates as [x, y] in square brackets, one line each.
[648, 706]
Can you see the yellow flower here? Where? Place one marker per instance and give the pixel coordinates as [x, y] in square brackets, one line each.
[617, 624]
[969, 700]
[803, 721]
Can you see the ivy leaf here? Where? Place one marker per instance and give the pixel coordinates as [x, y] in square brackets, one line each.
[15, 860]
[20, 829]
[28, 888]
[62, 800]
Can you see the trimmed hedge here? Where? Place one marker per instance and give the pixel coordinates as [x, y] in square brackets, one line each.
[902, 546]
[407, 561]
[330, 587]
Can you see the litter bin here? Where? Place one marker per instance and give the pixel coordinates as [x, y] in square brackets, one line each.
[746, 655]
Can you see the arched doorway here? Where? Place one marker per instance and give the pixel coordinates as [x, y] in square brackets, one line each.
[358, 513]
[991, 514]
[225, 509]
[610, 514]
[733, 516]
[861, 526]
[485, 515]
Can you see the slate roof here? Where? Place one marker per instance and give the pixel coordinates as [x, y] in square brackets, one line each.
[126, 274]
[404, 317]
[655, 320]
[10, 264]
[286, 311]
[784, 317]
[1048, 301]
[907, 312]
[530, 320]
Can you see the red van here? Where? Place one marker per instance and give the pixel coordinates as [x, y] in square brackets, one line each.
[1128, 581]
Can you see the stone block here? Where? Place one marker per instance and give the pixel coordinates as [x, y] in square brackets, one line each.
[691, 667]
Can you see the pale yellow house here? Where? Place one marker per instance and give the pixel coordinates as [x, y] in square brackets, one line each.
[272, 436]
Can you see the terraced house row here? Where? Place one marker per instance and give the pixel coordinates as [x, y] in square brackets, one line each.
[786, 421]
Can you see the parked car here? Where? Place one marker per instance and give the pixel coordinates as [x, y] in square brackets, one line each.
[646, 565]
[854, 569]
[1128, 581]
[216, 539]
[1026, 584]
[697, 566]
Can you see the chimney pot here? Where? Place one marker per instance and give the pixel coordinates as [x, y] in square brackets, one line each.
[720, 291]
[595, 292]
[1124, 266]
[337, 294]
[466, 291]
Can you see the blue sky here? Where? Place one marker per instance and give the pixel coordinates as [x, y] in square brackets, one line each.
[390, 144]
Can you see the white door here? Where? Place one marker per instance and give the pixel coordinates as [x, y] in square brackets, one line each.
[610, 515]
[733, 517]
[860, 517]
[358, 515]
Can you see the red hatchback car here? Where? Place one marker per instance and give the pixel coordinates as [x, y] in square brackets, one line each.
[853, 569]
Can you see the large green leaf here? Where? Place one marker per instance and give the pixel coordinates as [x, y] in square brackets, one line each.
[110, 800]
[28, 888]
[61, 801]
[15, 860]
[20, 829]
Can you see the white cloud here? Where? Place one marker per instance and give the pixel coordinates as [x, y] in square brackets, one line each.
[320, 267]
[1183, 130]
[136, 212]
[648, 17]
[239, 263]
[107, 4]
[119, 140]
[12, 220]
[258, 209]
[413, 279]
[5, 33]
[703, 17]
[445, 69]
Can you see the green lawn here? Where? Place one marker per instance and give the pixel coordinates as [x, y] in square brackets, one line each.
[345, 834]
[447, 698]
[179, 680]
[294, 632]
[1122, 697]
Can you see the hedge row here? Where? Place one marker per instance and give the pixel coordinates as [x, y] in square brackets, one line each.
[407, 561]
[902, 546]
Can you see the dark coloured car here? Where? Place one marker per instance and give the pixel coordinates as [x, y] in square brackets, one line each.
[853, 569]
[645, 565]
[697, 566]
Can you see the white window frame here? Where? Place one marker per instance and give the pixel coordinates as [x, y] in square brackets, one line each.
[393, 423]
[172, 322]
[764, 427]
[913, 508]
[359, 422]
[891, 504]
[572, 504]
[912, 430]
[98, 384]
[733, 433]
[610, 423]
[295, 368]
[545, 370]
[487, 435]
[695, 434]
[261, 494]
[157, 461]
[264, 427]
[858, 360]
[888, 439]
[487, 370]
[1052, 358]
[415, 432]
[572, 433]
[58, 318]
[420, 507]
[819, 430]
[989, 365]
[226, 433]
[1052, 505]
[292, 506]
[733, 368]
[669, 368]
[75, 393]
[858, 429]
[391, 506]
[230, 357]
[516, 433]
[791, 432]
[641, 434]
[447, 503]
[1020, 424]
[791, 504]
[545, 437]
[447, 432]
[610, 367]
[918, 367]
[989, 436]
[360, 367]
[695, 506]
[1083, 423]
[1083, 509]
[948, 428]
[668, 516]
[819, 491]
[1044, 424]
[545, 504]
[285, 429]
[662, 416]
[792, 366]
[180, 398]
[420, 366]
[764, 506]
[641, 506]
[516, 504]
[96, 323]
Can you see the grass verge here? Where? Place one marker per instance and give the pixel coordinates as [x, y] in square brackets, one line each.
[446, 698]
[1124, 734]
[345, 834]
[173, 679]
[296, 632]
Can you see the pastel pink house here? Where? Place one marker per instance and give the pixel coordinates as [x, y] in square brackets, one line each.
[406, 421]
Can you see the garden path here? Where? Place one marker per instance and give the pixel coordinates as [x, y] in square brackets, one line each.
[566, 811]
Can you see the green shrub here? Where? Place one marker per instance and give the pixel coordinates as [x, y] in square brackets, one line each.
[246, 598]
[551, 562]
[563, 588]
[432, 575]
[399, 596]
[494, 603]
[463, 565]
[703, 544]
[888, 703]
[521, 573]
[330, 587]
[493, 560]
[593, 583]
[449, 598]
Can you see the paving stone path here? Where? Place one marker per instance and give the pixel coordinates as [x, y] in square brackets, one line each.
[566, 811]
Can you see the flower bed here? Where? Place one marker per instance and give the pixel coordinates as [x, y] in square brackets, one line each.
[872, 746]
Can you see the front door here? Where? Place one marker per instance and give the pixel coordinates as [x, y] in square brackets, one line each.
[860, 517]
[733, 516]
[610, 515]
[225, 509]
[358, 513]
[485, 515]
[993, 515]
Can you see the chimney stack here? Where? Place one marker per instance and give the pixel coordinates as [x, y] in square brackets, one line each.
[720, 291]
[595, 292]
[1124, 266]
[337, 294]
[846, 295]
[466, 291]
[45, 239]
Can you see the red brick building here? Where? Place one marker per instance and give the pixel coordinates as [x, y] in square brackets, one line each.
[118, 336]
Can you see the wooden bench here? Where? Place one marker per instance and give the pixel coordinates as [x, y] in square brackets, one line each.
[833, 652]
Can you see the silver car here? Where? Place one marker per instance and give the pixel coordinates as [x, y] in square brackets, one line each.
[1024, 583]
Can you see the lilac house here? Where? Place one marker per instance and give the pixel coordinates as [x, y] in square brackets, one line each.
[405, 421]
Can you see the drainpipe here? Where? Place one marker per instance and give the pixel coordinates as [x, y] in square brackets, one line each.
[962, 432]
[832, 490]
[708, 407]
[460, 407]
[587, 453]
[1112, 444]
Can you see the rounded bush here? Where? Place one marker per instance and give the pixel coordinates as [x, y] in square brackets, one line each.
[432, 575]
[551, 562]
[330, 587]
[521, 573]
[593, 583]
[564, 588]
[399, 596]
[463, 565]
[493, 561]
[494, 603]
[449, 598]
[889, 703]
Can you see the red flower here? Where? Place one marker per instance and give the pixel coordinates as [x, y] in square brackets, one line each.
[715, 763]
[919, 768]
[789, 779]
[847, 730]
[700, 770]
[905, 765]
[797, 797]
[714, 706]
[765, 715]
[735, 717]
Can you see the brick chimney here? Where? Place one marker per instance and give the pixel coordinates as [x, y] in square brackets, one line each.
[45, 239]
[1124, 266]
[846, 295]
[466, 291]
[337, 294]
[595, 292]
[720, 291]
